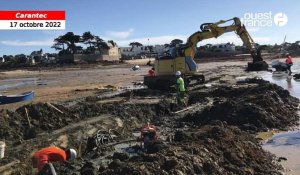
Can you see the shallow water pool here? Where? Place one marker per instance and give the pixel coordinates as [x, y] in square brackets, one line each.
[21, 82]
[286, 144]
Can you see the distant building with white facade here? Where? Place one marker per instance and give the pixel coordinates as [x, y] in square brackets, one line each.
[216, 50]
[160, 49]
[142, 50]
[37, 56]
[224, 47]
[49, 58]
[38, 53]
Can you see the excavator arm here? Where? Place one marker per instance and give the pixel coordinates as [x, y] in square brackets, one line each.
[182, 58]
[213, 30]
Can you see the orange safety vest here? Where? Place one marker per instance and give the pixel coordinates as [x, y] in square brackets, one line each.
[289, 60]
[151, 73]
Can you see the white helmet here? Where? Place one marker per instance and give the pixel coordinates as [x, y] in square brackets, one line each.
[73, 154]
[178, 73]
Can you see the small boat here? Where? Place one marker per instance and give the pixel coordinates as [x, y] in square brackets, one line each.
[26, 96]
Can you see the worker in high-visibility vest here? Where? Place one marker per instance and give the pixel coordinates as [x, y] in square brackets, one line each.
[180, 89]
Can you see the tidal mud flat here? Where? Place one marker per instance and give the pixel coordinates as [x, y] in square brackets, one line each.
[217, 135]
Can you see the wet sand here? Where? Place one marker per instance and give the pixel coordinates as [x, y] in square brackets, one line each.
[63, 84]
[69, 83]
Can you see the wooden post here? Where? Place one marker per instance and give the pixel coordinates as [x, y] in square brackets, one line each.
[28, 120]
[50, 105]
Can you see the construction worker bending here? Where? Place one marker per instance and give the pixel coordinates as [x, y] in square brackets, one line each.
[43, 159]
[180, 89]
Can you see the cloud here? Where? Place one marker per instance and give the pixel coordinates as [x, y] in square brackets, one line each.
[253, 29]
[152, 40]
[263, 40]
[120, 34]
[47, 42]
[54, 32]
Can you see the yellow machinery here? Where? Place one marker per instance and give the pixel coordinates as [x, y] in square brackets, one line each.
[182, 59]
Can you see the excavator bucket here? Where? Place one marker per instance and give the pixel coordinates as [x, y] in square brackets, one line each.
[258, 63]
[257, 66]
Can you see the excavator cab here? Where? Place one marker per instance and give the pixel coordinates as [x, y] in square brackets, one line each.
[165, 68]
[183, 59]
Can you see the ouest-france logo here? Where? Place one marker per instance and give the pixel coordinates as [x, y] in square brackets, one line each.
[266, 19]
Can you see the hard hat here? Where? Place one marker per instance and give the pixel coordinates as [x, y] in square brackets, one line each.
[178, 73]
[73, 154]
[287, 54]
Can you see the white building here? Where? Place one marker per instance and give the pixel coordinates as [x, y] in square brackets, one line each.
[142, 50]
[48, 58]
[159, 49]
[224, 47]
[38, 53]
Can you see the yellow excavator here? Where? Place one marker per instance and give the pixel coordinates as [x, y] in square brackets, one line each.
[182, 59]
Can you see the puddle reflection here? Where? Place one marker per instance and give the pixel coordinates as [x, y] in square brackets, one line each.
[286, 144]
